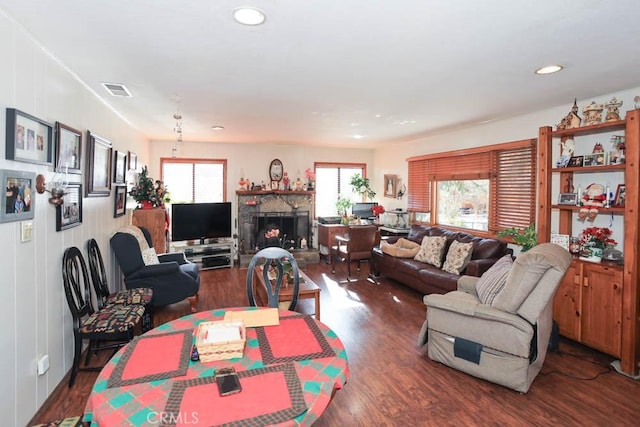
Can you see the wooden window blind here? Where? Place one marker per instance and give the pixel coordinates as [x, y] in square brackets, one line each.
[419, 187]
[513, 190]
[452, 168]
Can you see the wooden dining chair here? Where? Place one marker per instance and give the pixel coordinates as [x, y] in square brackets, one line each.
[274, 262]
[104, 297]
[107, 328]
[356, 246]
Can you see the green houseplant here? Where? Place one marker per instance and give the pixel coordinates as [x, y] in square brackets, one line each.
[342, 205]
[362, 186]
[525, 237]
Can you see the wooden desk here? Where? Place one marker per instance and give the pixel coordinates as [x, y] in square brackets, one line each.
[327, 237]
[308, 289]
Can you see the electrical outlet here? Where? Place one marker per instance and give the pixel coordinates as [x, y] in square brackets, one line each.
[26, 230]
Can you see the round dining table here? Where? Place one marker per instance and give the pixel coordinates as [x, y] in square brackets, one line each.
[288, 373]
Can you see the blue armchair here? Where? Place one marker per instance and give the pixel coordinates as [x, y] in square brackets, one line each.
[172, 277]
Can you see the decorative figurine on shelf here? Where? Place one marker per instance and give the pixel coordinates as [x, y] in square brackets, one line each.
[244, 184]
[285, 181]
[571, 120]
[597, 148]
[568, 186]
[636, 101]
[592, 114]
[617, 155]
[594, 198]
[567, 147]
[613, 112]
[298, 184]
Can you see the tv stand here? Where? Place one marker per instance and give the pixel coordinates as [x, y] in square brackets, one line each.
[219, 253]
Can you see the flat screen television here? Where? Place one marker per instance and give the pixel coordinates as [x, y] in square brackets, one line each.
[200, 221]
[363, 210]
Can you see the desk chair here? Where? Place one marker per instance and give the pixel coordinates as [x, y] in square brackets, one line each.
[276, 260]
[135, 296]
[357, 246]
[111, 326]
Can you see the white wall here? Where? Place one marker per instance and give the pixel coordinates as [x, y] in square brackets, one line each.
[35, 318]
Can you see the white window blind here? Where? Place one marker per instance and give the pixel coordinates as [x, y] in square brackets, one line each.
[332, 182]
[194, 181]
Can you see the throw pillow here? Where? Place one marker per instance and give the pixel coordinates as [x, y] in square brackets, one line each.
[458, 257]
[150, 257]
[491, 283]
[431, 250]
[402, 248]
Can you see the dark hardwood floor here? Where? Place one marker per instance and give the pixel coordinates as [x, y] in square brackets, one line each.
[393, 383]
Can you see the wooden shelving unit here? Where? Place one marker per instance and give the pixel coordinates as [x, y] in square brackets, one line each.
[597, 304]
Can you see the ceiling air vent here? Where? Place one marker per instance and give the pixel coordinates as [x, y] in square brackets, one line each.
[117, 89]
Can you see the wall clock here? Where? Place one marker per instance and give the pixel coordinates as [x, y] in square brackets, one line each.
[275, 173]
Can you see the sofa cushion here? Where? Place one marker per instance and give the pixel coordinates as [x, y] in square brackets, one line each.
[491, 283]
[458, 257]
[402, 248]
[431, 250]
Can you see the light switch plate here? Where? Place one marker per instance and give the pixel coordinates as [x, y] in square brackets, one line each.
[26, 230]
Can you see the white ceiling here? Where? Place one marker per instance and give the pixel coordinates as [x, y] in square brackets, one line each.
[319, 72]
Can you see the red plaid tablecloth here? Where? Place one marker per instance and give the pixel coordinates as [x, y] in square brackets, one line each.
[284, 368]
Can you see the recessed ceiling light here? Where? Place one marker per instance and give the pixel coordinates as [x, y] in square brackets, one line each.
[217, 127]
[358, 136]
[249, 16]
[549, 69]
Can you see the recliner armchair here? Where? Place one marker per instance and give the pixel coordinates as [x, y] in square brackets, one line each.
[505, 341]
[173, 278]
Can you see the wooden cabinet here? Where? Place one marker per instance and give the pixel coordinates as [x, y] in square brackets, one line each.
[596, 304]
[153, 220]
[588, 306]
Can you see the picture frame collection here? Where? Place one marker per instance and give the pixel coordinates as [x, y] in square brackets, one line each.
[33, 140]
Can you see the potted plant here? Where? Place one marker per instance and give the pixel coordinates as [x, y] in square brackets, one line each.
[594, 240]
[342, 205]
[362, 186]
[525, 237]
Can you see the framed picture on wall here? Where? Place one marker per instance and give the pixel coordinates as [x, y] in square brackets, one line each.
[621, 193]
[98, 176]
[29, 139]
[69, 213]
[19, 198]
[390, 185]
[120, 201]
[119, 167]
[68, 149]
[132, 161]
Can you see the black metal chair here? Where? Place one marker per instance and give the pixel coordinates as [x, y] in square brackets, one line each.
[108, 328]
[135, 296]
[273, 261]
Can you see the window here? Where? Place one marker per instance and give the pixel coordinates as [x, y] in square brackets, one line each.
[464, 203]
[332, 182]
[194, 180]
[488, 189]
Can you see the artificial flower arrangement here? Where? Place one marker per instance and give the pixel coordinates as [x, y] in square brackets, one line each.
[310, 175]
[377, 210]
[594, 240]
[596, 237]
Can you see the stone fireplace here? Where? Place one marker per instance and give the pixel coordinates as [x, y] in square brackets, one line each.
[290, 211]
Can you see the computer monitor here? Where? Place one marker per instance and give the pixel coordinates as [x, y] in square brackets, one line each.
[363, 210]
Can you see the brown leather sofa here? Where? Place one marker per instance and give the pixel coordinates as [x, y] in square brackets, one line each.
[427, 278]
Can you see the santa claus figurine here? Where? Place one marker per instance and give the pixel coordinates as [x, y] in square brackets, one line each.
[594, 198]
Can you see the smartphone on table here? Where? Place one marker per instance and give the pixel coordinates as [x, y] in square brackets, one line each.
[228, 381]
